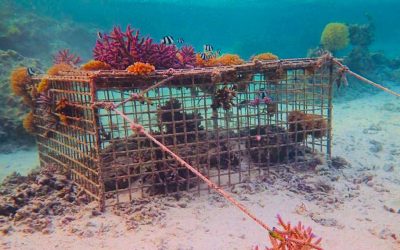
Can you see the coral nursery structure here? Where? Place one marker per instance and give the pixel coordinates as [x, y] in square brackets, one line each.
[229, 121]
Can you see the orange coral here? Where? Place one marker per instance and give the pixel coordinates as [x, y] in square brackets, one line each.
[29, 123]
[96, 65]
[20, 80]
[307, 124]
[264, 56]
[225, 60]
[141, 69]
[293, 237]
[57, 68]
[229, 59]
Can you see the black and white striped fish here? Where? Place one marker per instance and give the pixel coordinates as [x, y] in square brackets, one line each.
[99, 35]
[180, 40]
[167, 40]
[31, 71]
[208, 48]
[204, 56]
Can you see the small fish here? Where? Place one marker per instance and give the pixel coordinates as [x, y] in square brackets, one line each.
[99, 35]
[208, 48]
[31, 71]
[218, 52]
[204, 56]
[180, 40]
[167, 40]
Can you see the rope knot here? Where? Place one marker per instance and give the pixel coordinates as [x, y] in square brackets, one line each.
[137, 128]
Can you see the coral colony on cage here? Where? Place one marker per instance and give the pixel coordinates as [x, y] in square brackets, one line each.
[230, 119]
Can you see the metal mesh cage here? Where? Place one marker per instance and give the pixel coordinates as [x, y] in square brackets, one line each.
[231, 123]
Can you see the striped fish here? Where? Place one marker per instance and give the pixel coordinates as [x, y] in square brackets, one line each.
[99, 35]
[167, 40]
[204, 56]
[208, 48]
[180, 40]
[30, 71]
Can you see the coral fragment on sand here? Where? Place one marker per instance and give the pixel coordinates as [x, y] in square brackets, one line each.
[142, 69]
[293, 237]
[96, 65]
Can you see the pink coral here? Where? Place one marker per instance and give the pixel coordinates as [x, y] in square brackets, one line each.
[120, 49]
[65, 56]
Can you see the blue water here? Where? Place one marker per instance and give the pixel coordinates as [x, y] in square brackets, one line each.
[287, 28]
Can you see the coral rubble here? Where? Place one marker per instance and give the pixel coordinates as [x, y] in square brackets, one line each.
[25, 202]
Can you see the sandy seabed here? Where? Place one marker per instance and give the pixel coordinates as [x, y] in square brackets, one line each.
[356, 206]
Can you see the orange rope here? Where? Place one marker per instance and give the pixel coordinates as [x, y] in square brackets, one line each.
[365, 79]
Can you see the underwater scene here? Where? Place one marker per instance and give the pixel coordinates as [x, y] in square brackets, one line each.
[214, 124]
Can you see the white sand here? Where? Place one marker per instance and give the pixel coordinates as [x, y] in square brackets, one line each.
[357, 220]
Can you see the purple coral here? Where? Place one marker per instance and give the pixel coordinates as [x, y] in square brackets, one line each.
[121, 49]
[187, 58]
[65, 56]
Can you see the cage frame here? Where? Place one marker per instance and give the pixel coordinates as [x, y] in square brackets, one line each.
[96, 81]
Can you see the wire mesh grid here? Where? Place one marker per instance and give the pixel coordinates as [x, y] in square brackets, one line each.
[231, 128]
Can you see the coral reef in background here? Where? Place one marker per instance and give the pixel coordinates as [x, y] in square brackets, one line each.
[120, 49]
[265, 56]
[37, 36]
[95, 65]
[142, 69]
[301, 125]
[335, 36]
[293, 237]
[65, 56]
[13, 109]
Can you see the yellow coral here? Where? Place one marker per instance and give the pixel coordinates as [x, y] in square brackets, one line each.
[264, 56]
[20, 80]
[29, 123]
[335, 36]
[141, 69]
[43, 85]
[96, 65]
